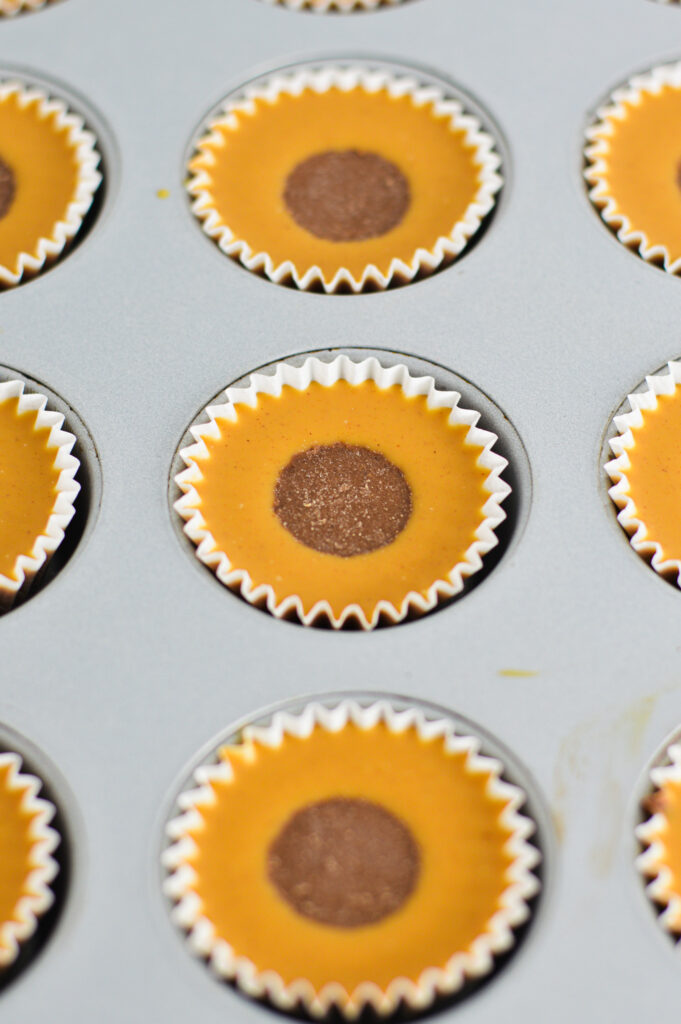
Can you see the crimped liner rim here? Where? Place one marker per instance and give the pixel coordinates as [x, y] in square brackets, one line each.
[434, 981]
[596, 153]
[40, 897]
[87, 157]
[651, 550]
[347, 78]
[652, 862]
[327, 374]
[67, 488]
[342, 6]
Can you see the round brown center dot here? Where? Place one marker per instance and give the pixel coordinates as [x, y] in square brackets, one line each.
[344, 862]
[7, 188]
[347, 196]
[342, 499]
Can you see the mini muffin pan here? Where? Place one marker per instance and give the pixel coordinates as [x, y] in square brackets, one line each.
[133, 657]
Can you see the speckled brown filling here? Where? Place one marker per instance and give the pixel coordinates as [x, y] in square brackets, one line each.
[347, 196]
[342, 499]
[344, 862]
[7, 188]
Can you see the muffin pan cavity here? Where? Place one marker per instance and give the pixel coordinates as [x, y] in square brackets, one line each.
[84, 497]
[396, 838]
[26, 775]
[352, 502]
[398, 181]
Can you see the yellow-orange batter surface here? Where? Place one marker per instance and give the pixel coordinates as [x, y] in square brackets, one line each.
[242, 467]
[449, 811]
[45, 169]
[655, 473]
[643, 167]
[249, 160]
[28, 483]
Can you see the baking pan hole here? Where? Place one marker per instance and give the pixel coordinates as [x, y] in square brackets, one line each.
[615, 487]
[532, 850]
[35, 763]
[392, 259]
[509, 446]
[107, 168]
[89, 476]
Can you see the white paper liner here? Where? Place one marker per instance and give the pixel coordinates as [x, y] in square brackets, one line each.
[651, 550]
[343, 6]
[347, 78]
[39, 897]
[89, 179]
[652, 863]
[477, 961]
[328, 374]
[596, 153]
[67, 487]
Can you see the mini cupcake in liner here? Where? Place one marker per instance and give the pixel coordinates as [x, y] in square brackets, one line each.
[40, 216]
[646, 471]
[342, 491]
[634, 165]
[27, 867]
[660, 834]
[341, 6]
[37, 472]
[351, 856]
[343, 178]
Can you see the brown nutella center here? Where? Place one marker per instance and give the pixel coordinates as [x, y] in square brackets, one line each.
[7, 188]
[342, 499]
[346, 195]
[344, 862]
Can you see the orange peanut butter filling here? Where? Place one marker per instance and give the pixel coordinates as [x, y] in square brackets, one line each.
[350, 856]
[655, 473]
[350, 494]
[28, 483]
